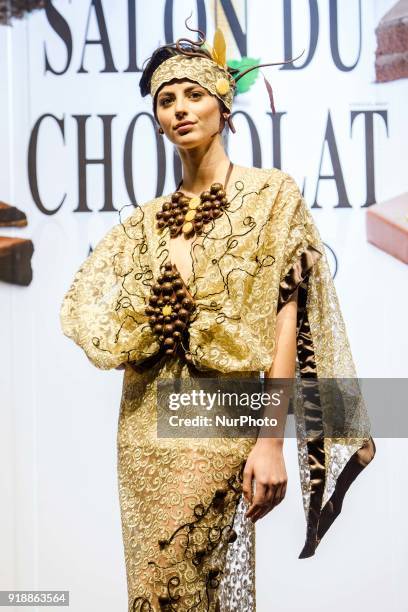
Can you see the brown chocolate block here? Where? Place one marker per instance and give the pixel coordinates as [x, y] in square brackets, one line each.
[15, 260]
[392, 44]
[387, 226]
[11, 216]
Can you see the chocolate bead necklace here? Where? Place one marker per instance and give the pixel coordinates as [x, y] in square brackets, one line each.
[189, 215]
[169, 309]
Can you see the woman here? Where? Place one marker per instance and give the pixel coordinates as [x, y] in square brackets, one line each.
[225, 278]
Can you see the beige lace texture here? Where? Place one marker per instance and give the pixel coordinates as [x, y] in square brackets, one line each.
[180, 547]
[197, 69]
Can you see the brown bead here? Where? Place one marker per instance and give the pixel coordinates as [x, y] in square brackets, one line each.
[176, 334]
[167, 318]
[160, 318]
[183, 314]
[168, 265]
[156, 288]
[168, 329]
[166, 206]
[161, 224]
[179, 324]
[158, 328]
[198, 217]
[149, 310]
[177, 284]
[180, 219]
[206, 206]
[167, 288]
[216, 203]
[169, 342]
[215, 187]
[220, 194]
[183, 201]
[188, 303]
[176, 196]
[180, 293]
[213, 197]
[159, 214]
[205, 195]
[171, 220]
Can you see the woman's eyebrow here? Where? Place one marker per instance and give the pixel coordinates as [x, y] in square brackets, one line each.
[186, 90]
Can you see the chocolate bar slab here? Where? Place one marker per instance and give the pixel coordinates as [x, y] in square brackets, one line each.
[15, 260]
[387, 226]
[391, 61]
[11, 216]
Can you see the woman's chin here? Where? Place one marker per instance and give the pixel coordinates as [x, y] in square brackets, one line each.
[189, 141]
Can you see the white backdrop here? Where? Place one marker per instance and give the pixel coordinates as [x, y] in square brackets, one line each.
[60, 526]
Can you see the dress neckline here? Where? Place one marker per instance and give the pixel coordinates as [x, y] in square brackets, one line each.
[190, 283]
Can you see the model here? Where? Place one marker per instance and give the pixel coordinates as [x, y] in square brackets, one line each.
[226, 277]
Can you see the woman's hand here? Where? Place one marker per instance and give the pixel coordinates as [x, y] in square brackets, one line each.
[266, 465]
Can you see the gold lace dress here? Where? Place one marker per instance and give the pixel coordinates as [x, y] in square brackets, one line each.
[187, 543]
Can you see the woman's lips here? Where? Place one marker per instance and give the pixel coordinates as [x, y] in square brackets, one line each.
[184, 128]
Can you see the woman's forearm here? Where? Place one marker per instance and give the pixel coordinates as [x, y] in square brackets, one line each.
[283, 367]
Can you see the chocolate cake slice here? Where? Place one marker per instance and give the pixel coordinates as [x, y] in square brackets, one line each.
[11, 216]
[391, 61]
[15, 260]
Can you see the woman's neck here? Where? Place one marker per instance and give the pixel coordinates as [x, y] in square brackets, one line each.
[203, 166]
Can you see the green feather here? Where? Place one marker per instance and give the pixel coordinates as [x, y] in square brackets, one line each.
[249, 79]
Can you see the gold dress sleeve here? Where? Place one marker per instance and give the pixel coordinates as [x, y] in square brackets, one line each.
[103, 310]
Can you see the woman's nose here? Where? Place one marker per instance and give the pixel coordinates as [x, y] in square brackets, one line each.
[180, 107]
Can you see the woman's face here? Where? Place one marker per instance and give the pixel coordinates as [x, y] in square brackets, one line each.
[185, 102]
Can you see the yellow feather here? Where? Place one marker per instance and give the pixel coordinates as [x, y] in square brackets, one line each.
[219, 48]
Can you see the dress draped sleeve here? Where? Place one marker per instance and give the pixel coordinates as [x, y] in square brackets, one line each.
[332, 424]
[104, 309]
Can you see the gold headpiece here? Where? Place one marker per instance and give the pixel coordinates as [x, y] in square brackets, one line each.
[206, 66]
[201, 70]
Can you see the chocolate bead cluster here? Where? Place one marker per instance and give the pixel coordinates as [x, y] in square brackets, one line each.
[169, 308]
[188, 215]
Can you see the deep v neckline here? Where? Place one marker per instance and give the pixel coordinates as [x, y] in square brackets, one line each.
[190, 282]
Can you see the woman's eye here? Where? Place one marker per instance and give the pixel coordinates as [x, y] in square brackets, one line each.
[196, 94]
[163, 101]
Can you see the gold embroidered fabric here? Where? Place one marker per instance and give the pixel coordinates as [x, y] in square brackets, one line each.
[187, 543]
[199, 70]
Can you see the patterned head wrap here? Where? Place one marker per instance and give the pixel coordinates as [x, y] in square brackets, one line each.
[217, 80]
